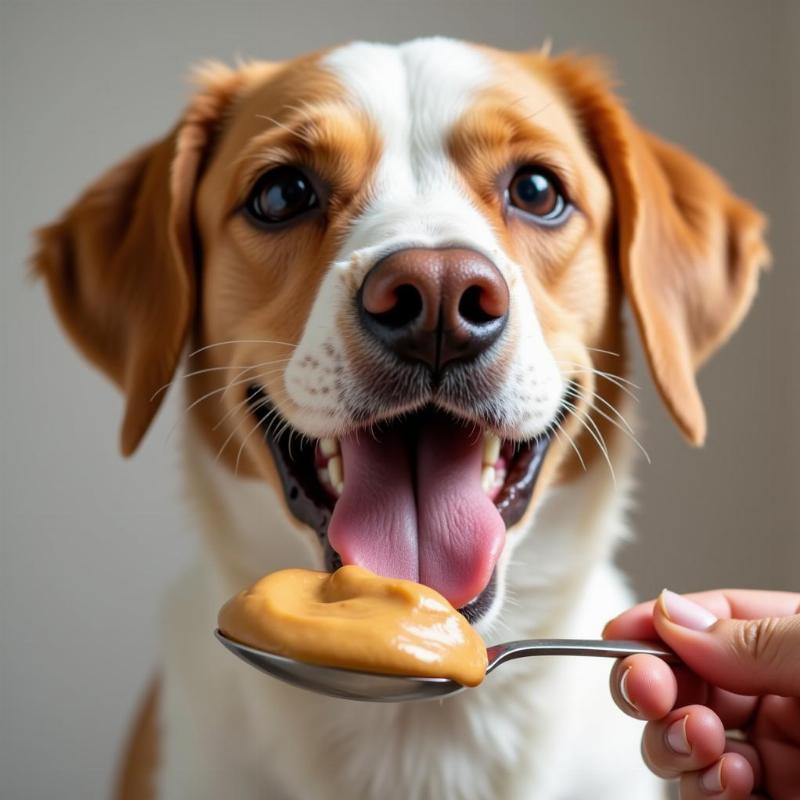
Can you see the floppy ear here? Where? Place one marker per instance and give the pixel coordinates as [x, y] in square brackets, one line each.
[119, 264]
[688, 250]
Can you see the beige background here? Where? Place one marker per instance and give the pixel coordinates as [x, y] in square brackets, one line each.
[89, 542]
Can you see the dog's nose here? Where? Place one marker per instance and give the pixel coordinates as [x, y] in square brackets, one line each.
[435, 305]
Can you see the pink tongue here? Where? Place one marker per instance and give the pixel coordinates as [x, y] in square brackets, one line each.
[419, 513]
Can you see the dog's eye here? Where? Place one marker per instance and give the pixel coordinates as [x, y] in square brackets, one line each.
[535, 191]
[280, 195]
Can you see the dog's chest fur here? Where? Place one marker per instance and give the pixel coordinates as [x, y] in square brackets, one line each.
[536, 729]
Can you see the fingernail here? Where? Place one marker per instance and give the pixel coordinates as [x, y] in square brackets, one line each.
[623, 689]
[711, 779]
[677, 740]
[682, 611]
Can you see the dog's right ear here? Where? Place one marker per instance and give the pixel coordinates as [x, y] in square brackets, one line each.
[119, 264]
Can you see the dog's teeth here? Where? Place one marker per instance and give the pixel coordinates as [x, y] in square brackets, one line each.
[329, 447]
[488, 477]
[323, 476]
[491, 449]
[336, 472]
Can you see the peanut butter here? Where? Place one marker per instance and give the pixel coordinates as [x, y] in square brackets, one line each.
[357, 620]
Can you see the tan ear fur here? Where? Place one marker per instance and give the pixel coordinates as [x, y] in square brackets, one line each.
[688, 250]
[119, 264]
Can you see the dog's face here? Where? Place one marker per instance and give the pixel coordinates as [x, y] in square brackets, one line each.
[399, 244]
[402, 268]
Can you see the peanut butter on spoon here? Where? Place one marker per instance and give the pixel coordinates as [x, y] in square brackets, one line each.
[356, 620]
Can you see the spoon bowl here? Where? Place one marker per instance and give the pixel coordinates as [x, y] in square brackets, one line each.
[373, 687]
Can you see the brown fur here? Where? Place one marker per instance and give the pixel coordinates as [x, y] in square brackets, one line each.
[136, 775]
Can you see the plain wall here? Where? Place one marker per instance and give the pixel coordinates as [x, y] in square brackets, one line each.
[89, 541]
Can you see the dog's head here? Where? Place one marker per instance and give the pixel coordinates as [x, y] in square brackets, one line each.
[402, 270]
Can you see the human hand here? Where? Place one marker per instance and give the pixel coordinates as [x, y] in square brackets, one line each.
[727, 724]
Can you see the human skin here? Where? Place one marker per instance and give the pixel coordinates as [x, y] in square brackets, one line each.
[727, 723]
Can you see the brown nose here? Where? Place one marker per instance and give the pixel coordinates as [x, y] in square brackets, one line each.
[435, 306]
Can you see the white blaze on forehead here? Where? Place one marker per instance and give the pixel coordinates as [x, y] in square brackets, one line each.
[413, 94]
[432, 75]
[412, 91]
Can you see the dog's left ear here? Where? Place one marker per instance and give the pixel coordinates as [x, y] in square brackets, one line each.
[119, 264]
[688, 250]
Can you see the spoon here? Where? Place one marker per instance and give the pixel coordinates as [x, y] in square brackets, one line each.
[377, 688]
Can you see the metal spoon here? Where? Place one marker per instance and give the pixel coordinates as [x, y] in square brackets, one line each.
[356, 685]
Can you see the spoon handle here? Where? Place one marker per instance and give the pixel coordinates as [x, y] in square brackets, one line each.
[576, 647]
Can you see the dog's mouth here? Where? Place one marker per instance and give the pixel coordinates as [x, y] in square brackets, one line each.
[425, 496]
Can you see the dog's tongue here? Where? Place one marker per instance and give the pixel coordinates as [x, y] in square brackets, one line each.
[413, 507]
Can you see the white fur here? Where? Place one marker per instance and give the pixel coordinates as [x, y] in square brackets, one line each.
[414, 93]
[543, 729]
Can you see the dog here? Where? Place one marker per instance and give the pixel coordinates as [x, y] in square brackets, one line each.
[401, 271]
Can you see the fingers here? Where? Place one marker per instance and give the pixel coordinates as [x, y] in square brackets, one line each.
[732, 643]
[643, 687]
[757, 656]
[730, 778]
[637, 622]
[687, 739]
[735, 710]
[646, 688]
[750, 754]
[748, 603]
[777, 731]
[690, 743]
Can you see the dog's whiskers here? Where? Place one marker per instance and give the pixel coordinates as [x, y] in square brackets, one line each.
[592, 350]
[616, 380]
[275, 422]
[230, 412]
[270, 418]
[242, 445]
[239, 341]
[596, 434]
[558, 428]
[258, 376]
[608, 405]
[237, 380]
[192, 405]
[626, 429]
[600, 372]
[206, 370]
[238, 406]
[260, 404]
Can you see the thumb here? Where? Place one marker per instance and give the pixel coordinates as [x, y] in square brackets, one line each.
[747, 656]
